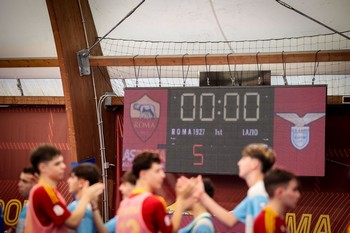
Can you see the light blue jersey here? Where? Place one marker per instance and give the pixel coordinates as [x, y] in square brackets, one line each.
[201, 224]
[87, 224]
[22, 219]
[110, 225]
[251, 206]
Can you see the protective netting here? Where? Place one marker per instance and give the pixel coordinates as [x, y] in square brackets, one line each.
[334, 74]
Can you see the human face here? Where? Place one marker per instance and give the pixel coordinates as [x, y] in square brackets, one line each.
[245, 165]
[25, 184]
[154, 176]
[53, 169]
[74, 184]
[290, 194]
[126, 188]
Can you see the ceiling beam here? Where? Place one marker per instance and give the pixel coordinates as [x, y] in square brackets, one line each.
[179, 60]
[58, 100]
[44, 100]
[32, 100]
[28, 62]
[222, 59]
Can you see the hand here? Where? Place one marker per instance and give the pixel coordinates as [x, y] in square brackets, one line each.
[93, 191]
[185, 192]
[184, 187]
[199, 189]
[94, 202]
[36, 177]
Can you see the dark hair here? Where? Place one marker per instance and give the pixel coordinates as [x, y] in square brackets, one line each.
[87, 171]
[42, 154]
[129, 177]
[144, 161]
[29, 170]
[263, 153]
[209, 187]
[277, 178]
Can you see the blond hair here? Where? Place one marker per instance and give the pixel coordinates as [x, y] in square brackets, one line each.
[263, 153]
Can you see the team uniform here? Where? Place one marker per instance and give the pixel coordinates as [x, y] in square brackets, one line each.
[22, 219]
[251, 206]
[268, 221]
[46, 211]
[87, 224]
[143, 212]
[111, 224]
[201, 224]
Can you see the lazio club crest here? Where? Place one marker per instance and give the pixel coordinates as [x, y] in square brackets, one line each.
[300, 132]
[144, 115]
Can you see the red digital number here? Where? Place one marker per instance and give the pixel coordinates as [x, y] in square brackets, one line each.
[201, 156]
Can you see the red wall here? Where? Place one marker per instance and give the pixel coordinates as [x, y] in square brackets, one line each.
[325, 200]
[22, 130]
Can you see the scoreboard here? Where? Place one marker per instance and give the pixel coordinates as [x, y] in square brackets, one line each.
[204, 129]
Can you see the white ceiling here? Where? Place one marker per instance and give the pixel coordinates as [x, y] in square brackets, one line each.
[192, 20]
[26, 30]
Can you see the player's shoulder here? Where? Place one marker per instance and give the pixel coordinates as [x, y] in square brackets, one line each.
[155, 200]
[259, 221]
[43, 191]
[39, 191]
[260, 217]
[204, 226]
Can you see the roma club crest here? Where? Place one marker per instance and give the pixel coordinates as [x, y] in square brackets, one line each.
[144, 115]
[300, 132]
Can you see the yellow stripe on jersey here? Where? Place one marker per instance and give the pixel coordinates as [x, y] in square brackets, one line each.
[139, 191]
[161, 199]
[270, 220]
[50, 191]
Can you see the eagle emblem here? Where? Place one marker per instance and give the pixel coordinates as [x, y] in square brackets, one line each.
[300, 132]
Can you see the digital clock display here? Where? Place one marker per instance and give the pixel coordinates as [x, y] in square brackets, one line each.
[204, 129]
[219, 123]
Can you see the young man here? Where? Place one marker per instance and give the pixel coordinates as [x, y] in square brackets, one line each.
[143, 211]
[283, 189]
[80, 175]
[27, 180]
[47, 210]
[202, 222]
[127, 185]
[256, 160]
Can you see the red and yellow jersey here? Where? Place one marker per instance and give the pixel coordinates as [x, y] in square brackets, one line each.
[48, 207]
[154, 213]
[269, 221]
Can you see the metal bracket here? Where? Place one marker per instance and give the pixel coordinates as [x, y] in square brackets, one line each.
[108, 165]
[83, 62]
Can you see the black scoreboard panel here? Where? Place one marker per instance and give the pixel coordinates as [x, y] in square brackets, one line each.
[204, 129]
[208, 127]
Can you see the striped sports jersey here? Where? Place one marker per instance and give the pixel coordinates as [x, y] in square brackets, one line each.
[251, 206]
[268, 221]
